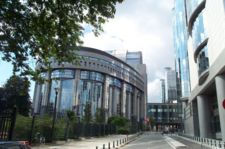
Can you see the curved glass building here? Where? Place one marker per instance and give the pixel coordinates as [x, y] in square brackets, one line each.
[100, 79]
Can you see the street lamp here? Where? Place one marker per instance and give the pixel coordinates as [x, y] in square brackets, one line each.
[54, 113]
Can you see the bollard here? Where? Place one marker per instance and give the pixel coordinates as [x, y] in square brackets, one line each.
[120, 141]
[109, 145]
[96, 147]
[113, 144]
[117, 144]
[103, 146]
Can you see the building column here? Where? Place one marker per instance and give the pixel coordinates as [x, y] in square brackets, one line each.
[105, 103]
[123, 99]
[204, 116]
[37, 92]
[129, 106]
[220, 91]
[135, 98]
[76, 87]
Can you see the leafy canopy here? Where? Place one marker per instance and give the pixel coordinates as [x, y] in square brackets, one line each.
[16, 92]
[48, 29]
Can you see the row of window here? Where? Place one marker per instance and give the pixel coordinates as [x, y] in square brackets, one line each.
[119, 70]
[162, 110]
[199, 35]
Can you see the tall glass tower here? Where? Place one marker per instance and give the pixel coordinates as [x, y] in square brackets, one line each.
[180, 36]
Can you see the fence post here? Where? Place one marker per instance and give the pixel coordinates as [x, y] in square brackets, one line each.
[13, 121]
[32, 128]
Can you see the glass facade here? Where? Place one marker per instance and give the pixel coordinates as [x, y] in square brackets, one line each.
[134, 58]
[198, 31]
[114, 91]
[192, 5]
[199, 35]
[90, 90]
[67, 95]
[55, 84]
[180, 36]
[203, 60]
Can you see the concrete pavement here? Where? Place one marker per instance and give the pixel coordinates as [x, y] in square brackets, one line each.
[92, 143]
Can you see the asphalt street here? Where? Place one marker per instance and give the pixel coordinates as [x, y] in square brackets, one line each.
[149, 140]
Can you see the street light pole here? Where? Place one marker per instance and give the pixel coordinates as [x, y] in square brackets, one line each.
[54, 113]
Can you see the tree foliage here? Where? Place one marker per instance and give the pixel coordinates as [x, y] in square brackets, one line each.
[118, 121]
[100, 115]
[46, 29]
[87, 113]
[16, 92]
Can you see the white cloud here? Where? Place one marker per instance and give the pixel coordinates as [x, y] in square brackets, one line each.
[154, 89]
[145, 26]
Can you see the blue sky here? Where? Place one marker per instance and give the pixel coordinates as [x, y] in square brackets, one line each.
[6, 72]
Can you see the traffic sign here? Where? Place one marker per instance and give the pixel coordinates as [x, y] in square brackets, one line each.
[224, 103]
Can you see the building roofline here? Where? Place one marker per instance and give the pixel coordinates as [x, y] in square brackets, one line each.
[83, 48]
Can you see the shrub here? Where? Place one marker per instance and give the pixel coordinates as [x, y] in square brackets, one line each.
[22, 128]
[123, 130]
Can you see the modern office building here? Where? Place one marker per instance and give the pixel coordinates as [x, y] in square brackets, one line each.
[204, 111]
[163, 90]
[180, 36]
[164, 116]
[100, 79]
[170, 85]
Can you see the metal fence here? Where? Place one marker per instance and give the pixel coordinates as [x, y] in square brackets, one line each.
[92, 130]
[7, 122]
[212, 143]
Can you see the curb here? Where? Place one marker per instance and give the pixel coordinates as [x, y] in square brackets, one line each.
[130, 140]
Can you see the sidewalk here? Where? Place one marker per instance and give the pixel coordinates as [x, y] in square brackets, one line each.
[92, 143]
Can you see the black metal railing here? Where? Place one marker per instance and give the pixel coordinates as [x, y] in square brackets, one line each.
[7, 122]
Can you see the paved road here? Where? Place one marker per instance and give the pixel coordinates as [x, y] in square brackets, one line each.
[149, 141]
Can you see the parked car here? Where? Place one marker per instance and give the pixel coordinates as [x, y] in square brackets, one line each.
[14, 145]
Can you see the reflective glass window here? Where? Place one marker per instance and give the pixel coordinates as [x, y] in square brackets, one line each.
[198, 31]
[90, 91]
[129, 88]
[84, 74]
[192, 5]
[96, 76]
[203, 60]
[55, 84]
[63, 73]
[67, 94]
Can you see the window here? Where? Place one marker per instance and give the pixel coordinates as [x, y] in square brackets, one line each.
[203, 61]
[84, 74]
[63, 73]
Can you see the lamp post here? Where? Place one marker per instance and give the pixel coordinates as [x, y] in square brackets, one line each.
[54, 113]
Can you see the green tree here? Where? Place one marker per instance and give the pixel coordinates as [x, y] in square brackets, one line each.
[87, 113]
[17, 93]
[71, 119]
[46, 29]
[100, 115]
[122, 124]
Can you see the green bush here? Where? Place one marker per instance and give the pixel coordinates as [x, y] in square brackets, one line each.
[123, 130]
[22, 128]
[122, 124]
